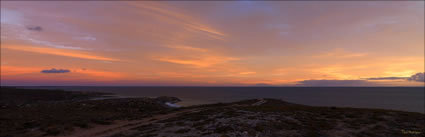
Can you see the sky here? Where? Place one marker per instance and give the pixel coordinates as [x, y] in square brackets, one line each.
[212, 43]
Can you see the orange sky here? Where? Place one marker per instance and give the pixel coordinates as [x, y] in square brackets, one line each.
[212, 43]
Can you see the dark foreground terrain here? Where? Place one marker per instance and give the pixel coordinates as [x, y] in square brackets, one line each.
[31, 113]
[79, 116]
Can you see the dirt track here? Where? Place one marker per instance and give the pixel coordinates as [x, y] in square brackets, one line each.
[122, 126]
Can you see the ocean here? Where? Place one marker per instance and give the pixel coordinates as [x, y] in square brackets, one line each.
[395, 98]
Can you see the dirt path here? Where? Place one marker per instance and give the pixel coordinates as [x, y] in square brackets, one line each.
[260, 102]
[121, 126]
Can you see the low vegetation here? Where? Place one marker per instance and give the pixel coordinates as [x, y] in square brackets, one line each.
[278, 118]
[55, 112]
[51, 116]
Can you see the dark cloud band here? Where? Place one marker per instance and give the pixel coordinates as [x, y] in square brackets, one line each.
[53, 70]
[35, 28]
[388, 78]
[331, 83]
[419, 77]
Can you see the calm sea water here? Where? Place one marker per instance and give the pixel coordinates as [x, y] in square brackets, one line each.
[396, 98]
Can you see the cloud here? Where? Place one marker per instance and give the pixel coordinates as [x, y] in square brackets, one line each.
[75, 74]
[262, 84]
[338, 83]
[419, 77]
[387, 78]
[60, 52]
[88, 38]
[197, 57]
[100, 73]
[53, 70]
[205, 61]
[35, 28]
[14, 70]
[247, 72]
[172, 15]
[51, 44]
[340, 53]
[187, 48]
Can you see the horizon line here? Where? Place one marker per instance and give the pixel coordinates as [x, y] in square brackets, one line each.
[241, 86]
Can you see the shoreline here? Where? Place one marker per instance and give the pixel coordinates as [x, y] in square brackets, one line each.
[395, 98]
[145, 116]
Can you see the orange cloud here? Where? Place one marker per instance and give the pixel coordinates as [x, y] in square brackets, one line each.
[193, 56]
[247, 73]
[190, 23]
[75, 73]
[274, 82]
[340, 53]
[99, 74]
[59, 52]
[205, 61]
[188, 48]
[179, 74]
[13, 70]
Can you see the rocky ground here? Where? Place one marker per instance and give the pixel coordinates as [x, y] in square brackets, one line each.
[276, 118]
[25, 112]
[78, 116]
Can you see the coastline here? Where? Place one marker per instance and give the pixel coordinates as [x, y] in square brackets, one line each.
[152, 117]
[396, 98]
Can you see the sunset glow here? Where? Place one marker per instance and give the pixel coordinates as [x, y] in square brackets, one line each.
[213, 43]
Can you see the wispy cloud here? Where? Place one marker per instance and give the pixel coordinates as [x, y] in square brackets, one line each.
[340, 53]
[59, 52]
[204, 61]
[213, 42]
[87, 38]
[418, 77]
[15, 70]
[324, 83]
[100, 73]
[71, 73]
[388, 78]
[188, 48]
[51, 44]
[173, 15]
[197, 57]
[247, 73]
